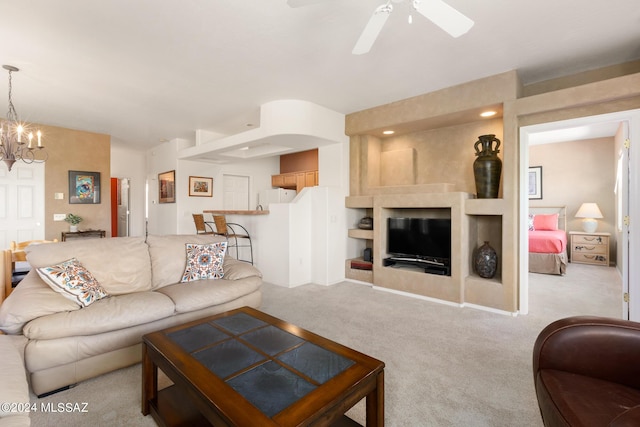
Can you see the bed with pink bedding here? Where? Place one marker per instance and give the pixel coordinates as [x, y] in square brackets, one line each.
[547, 240]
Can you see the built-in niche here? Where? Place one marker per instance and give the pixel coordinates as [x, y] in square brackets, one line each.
[486, 228]
[411, 279]
[418, 239]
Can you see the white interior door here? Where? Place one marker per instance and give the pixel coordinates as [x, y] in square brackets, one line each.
[236, 192]
[21, 203]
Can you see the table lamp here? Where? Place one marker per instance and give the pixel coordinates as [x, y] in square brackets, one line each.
[589, 211]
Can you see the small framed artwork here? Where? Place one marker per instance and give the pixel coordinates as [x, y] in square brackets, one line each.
[200, 186]
[167, 187]
[535, 182]
[84, 187]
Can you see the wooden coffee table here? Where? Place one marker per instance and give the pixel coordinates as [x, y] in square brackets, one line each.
[246, 368]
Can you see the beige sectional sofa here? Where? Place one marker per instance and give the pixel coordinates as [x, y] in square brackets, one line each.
[14, 389]
[68, 343]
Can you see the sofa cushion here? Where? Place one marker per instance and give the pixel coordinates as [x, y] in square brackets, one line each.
[74, 282]
[236, 270]
[582, 400]
[110, 314]
[14, 388]
[204, 261]
[32, 298]
[205, 293]
[168, 256]
[120, 264]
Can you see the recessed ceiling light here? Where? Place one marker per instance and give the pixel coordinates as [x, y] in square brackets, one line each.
[388, 132]
[488, 114]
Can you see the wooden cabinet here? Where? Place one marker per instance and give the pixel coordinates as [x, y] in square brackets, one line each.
[277, 180]
[311, 178]
[295, 180]
[589, 248]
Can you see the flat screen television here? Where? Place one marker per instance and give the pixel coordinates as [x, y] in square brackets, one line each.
[420, 238]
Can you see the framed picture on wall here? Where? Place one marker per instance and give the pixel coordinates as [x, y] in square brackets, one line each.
[84, 187]
[167, 187]
[200, 186]
[535, 183]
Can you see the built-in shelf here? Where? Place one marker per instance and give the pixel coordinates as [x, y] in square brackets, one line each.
[357, 233]
[359, 201]
[474, 278]
[357, 274]
[484, 207]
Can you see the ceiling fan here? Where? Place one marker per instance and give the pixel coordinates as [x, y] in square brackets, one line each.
[437, 11]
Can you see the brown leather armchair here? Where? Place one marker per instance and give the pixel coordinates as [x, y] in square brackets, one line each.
[586, 372]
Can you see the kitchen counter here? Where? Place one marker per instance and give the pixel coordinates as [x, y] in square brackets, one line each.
[238, 212]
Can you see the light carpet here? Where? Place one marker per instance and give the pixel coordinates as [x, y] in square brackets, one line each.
[445, 366]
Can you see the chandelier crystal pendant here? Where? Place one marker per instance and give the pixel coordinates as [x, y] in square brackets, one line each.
[16, 138]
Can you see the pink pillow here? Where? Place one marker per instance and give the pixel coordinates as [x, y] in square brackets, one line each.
[545, 222]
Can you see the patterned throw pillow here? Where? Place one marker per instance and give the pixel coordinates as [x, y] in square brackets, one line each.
[204, 261]
[73, 281]
[531, 218]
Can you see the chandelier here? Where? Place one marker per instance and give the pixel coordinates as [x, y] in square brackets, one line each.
[16, 139]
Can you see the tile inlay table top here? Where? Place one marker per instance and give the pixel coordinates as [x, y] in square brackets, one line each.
[247, 368]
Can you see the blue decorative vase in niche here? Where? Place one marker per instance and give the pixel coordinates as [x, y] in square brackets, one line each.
[485, 261]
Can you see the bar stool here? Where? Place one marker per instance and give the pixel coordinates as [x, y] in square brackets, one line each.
[202, 226]
[16, 254]
[225, 228]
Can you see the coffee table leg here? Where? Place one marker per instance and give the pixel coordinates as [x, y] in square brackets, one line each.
[149, 380]
[375, 403]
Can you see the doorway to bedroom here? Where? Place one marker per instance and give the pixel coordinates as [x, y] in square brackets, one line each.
[580, 160]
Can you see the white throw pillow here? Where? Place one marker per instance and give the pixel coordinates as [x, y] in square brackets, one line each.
[204, 261]
[73, 281]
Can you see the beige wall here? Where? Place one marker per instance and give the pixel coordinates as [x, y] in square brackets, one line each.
[81, 151]
[576, 172]
[444, 155]
[612, 90]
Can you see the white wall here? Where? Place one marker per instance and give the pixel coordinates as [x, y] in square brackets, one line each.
[176, 218]
[258, 171]
[162, 158]
[131, 163]
[297, 243]
[304, 241]
[332, 224]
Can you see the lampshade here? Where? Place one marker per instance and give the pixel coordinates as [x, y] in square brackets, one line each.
[589, 211]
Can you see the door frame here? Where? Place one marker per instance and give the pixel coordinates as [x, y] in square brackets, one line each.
[631, 283]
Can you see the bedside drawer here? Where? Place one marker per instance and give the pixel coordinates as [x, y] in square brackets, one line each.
[589, 248]
[590, 240]
[590, 258]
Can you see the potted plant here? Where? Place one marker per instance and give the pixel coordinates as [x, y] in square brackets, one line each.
[73, 220]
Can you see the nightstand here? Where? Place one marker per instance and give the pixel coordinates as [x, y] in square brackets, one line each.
[590, 248]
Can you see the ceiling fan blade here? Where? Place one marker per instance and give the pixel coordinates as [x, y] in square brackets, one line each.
[301, 3]
[373, 28]
[444, 16]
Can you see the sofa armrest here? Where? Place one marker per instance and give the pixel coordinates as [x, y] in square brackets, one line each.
[629, 418]
[236, 270]
[598, 347]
